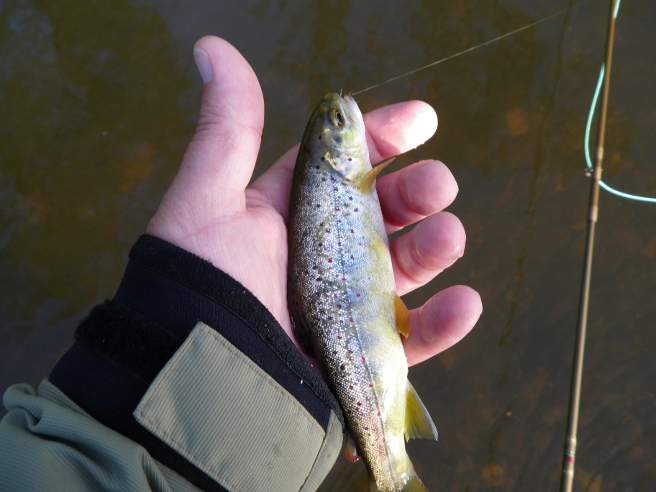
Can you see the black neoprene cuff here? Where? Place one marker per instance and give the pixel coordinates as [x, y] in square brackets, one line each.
[123, 344]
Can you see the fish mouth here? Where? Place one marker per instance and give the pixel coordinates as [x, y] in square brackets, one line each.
[352, 112]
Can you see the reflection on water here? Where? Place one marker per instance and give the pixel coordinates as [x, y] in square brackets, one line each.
[98, 101]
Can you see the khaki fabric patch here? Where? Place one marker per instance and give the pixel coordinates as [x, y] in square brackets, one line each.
[229, 418]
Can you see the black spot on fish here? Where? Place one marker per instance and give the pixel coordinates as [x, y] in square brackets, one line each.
[342, 367]
[355, 209]
[319, 137]
[350, 159]
[317, 167]
[323, 159]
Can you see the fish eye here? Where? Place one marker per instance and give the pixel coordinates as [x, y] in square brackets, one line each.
[336, 118]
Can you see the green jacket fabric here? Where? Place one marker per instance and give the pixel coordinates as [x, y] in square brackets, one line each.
[183, 381]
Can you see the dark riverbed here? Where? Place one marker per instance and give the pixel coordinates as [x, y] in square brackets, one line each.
[97, 103]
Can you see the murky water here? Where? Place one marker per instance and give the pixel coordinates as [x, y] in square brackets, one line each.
[98, 100]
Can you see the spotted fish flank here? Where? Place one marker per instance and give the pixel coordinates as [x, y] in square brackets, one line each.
[342, 296]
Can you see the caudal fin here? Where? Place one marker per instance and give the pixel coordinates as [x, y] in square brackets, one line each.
[413, 484]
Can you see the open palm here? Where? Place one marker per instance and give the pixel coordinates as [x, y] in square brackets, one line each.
[210, 211]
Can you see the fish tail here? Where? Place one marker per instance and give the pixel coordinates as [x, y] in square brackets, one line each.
[412, 484]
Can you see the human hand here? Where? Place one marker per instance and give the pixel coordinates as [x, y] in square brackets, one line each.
[210, 211]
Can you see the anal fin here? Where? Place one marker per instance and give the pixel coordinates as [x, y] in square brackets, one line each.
[418, 422]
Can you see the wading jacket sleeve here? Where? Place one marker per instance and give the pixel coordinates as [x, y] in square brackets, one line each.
[183, 381]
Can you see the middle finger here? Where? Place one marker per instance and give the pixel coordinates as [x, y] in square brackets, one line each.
[414, 192]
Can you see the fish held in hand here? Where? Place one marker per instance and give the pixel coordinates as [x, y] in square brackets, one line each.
[342, 297]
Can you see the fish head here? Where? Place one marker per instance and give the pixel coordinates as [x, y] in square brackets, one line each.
[336, 134]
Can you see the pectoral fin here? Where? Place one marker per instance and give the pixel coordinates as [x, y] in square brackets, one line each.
[350, 449]
[368, 182]
[418, 422]
[402, 317]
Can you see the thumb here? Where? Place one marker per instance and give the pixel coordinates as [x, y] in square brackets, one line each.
[220, 159]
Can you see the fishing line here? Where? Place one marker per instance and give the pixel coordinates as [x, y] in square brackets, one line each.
[586, 144]
[468, 50]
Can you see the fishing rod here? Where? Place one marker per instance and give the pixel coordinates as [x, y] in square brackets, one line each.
[569, 457]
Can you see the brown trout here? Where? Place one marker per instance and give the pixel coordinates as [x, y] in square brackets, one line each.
[342, 297]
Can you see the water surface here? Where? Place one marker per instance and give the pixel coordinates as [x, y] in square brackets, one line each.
[98, 100]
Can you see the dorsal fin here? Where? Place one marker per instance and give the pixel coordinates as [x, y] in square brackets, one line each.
[367, 184]
[418, 422]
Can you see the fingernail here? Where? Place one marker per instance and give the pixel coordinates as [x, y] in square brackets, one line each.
[203, 64]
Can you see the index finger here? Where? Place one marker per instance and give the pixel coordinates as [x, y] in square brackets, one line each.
[391, 130]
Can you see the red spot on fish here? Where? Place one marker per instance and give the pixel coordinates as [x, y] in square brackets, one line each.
[356, 295]
[383, 439]
[335, 188]
[359, 404]
[339, 243]
[335, 295]
[342, 367]
[359, 244]
[351, 320]
[363, 359]
[330, 260]
[339, 337]
[351, 231]
[371, 385]
[351, 198]
[355, 209]
[339, 221]
[379, 414]
[352, 257]
[336, 209]
[339, 306]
